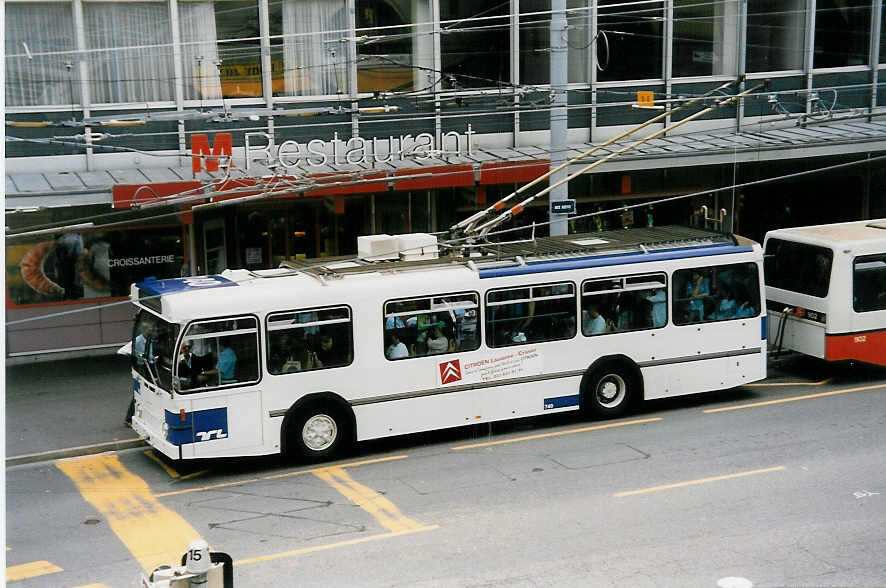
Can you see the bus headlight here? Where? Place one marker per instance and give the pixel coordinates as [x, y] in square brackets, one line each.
[165, 429]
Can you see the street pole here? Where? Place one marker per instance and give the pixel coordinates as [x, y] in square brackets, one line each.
[559, 223]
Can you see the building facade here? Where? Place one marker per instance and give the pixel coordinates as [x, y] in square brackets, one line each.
[180, 137]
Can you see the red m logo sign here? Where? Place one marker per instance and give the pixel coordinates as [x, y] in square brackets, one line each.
[200, 150]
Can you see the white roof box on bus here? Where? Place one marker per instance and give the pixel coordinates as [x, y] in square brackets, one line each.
[408, 247]
[377, 247]
[414, 246]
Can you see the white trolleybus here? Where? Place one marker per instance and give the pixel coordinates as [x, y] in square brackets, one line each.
[307, 359]
[826, 290]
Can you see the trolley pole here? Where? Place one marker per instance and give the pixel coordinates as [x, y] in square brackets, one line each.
[559, 69]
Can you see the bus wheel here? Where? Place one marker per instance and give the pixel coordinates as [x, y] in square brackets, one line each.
[607, 392]
[318, 433]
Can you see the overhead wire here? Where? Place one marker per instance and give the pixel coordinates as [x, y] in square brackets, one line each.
[465, 240]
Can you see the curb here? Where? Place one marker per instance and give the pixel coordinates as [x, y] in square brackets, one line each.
[74, 451]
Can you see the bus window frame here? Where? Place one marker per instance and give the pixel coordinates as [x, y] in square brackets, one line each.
[489, 331]
[769, 268]
[623, 278]
[349, 320]
[258, 355]
[866, 258]
[431, 309]
[714, 269]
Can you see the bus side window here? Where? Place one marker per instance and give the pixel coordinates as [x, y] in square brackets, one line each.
[530, 314]
[716, 293]
[224, 352]
[432, 325]
[301, 341]
[624, 303]
[869, 283]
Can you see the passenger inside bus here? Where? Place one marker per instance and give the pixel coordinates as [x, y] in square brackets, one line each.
[395, 349]
[299, 358]
[437, 342]
[328, 354]
[697, 289]
[593, 323]
[187, 364]
[225, 367]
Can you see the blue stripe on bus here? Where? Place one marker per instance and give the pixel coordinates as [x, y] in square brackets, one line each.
[763, 332]
[561, 401]
[155, 287]
[535, 267]
[197, 426]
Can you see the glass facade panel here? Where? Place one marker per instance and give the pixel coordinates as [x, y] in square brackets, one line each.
[315, 53]
[394, 55]
[239, 49]
[200, 57]
[842, 32]
[705, 38]
[629, 41]
[883, 34]
[120, 72]
[775, 34]
[535, 42]
[41, 79]
[474, 44]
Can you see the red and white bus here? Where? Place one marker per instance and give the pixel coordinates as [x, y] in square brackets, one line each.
[826, 290]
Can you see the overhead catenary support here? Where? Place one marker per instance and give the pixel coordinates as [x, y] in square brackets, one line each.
[468, 225]
[559, 189]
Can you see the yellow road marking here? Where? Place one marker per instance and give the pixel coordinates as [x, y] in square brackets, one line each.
[154, 534]
[295, 552]
[274, 476]
[31, 570]
[368, 499]
[765, 384]
[556, 433]
[695, 482]
[172, 473]
[794, 398]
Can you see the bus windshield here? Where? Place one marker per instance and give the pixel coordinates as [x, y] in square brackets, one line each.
[153, 346]
[798, 267]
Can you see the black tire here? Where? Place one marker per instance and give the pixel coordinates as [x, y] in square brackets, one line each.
[317, 433]
[609, 391]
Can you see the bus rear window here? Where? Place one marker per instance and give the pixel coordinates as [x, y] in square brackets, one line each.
[798, 267]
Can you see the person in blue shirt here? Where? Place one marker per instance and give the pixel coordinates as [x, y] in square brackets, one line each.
[225, 366]
[697, 289]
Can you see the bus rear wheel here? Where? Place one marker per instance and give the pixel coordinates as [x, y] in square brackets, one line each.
[608, 391]
[317, 433]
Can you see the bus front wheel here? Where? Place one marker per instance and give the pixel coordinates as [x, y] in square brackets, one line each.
[608, 391]
[317, 433]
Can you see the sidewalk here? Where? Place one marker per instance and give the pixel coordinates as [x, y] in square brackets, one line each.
[58, 409]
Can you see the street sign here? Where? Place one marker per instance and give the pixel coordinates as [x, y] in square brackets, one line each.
[563, 207]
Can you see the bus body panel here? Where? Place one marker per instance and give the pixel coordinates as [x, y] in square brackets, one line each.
[866, 346]
[451, 389]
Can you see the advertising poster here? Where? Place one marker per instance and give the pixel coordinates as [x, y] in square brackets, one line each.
[80, 266]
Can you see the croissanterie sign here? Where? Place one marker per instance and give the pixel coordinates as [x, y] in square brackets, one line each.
[76, 266]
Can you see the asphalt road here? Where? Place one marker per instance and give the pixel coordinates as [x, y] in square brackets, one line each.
[783, 484]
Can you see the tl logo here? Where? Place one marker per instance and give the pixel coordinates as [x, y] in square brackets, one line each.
[450, 371]
[208, 435]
